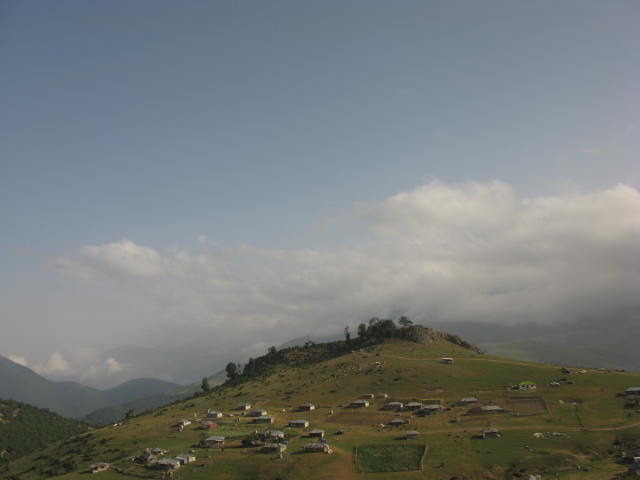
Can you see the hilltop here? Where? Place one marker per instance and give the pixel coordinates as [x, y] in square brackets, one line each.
[585, 421]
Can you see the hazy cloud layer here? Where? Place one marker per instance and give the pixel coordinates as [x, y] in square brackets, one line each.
[473, 251]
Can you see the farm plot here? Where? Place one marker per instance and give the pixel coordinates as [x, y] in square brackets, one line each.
[386, 458]
[525, 406]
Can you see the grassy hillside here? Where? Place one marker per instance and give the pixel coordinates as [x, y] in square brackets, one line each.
[24, 429]
[584, 426]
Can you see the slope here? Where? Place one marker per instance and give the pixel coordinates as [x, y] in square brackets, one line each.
[581, 423]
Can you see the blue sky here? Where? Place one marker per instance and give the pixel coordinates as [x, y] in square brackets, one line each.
[260, 122]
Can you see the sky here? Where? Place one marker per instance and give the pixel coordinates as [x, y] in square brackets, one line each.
[239, 173]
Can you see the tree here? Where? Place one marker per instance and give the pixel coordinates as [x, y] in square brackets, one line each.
[232, 370]
[206, 388]
[347, 335]
[129, 414]
[404, 321]
[362, 330]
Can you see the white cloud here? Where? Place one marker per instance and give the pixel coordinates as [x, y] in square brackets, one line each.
[19, 360]
[474, 251]
[113, 366]
[54, 366]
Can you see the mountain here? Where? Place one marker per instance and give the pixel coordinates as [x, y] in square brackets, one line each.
[580, 428]
[69, 399]
[24, 429]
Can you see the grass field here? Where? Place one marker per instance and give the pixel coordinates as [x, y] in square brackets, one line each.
[389, 458]
[587, 417]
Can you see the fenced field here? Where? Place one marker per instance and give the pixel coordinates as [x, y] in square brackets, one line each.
[390, 458]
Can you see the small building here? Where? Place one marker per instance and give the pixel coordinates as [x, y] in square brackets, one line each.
[273, 448]
[299, 423]
[360, 403]
[167, 463]
[98, 467]
[318, 447]
[413, 406]
[158, 451]
[208, 425]
[447, 360]
[468, 401]
[632, 391]
[554, 384]
[527, 385]
[382, 395]
[214, 441]
[316, 433]
[485, 409]
[258, 412]
[184, 422]
[214, 414]
[565, 370]
[394, 406]
[243, 406]
[432, 408]
[273, 435]
[368, 396]
[307, 407]
[185, 458]
[263, 419]
[490, 433]
[396, 422]
[147, 457]
[411, 434]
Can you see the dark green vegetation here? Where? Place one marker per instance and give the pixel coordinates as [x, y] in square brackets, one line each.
[25, 429]
[389, 458]
[583, 430]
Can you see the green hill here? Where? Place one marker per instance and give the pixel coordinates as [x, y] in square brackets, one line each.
[576, 430]
[24, 429]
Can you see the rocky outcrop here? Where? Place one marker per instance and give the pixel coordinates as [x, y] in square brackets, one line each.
[427, 336]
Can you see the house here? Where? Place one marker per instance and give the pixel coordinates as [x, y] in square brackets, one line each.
[184, 422]
[382, 395]
[208, 425]
[393, 406]
[273, 434]
[214, 414]
[318, 447]
[158, 451]
[554, 384]
[316, 433]
[360, 403]
[167, 463]
[258, 412]
[447, 360]
[243, 406]
[527, 385]
[185, 458]
[214, 441]
[98, 467]
[307, 407]
[565, 370]
[368, 396]
[148, 457]
[263, 419]
[490, 433]
[411, 434]
[273, 448]
[433, 408]
[468, 401]
[413, 406]
[632, 391]
[396, 422]
[299, 423]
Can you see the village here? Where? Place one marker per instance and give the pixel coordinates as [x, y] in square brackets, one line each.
[271, 431]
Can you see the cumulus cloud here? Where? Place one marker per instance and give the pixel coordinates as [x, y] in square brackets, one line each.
[56, 365]
[473, 251]
[19, 359]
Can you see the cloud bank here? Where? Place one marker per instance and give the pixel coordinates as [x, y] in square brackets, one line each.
[474, 251]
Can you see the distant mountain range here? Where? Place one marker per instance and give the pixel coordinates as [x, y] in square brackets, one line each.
[71, 399]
